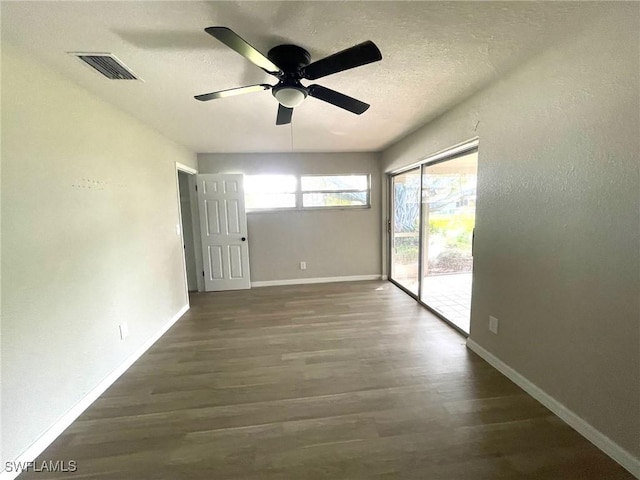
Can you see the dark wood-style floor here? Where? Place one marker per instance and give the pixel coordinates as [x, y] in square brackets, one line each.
[334, 381]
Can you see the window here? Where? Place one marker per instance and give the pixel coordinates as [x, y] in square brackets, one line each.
[275, 192]
[270, 192]
[334, 191]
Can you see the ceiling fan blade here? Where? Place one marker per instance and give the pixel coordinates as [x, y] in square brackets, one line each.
[284, 115]
[233, 91]
[338, 99]
[235, 42]
[358, 55]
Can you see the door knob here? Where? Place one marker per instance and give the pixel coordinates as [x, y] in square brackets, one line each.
[244, 239]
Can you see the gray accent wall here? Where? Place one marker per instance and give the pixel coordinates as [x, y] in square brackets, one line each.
[558, 234]
[89, 241]
[333, 242]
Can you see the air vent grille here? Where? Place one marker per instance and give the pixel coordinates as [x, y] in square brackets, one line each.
[107, 64]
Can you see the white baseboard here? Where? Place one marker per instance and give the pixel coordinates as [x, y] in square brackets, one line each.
[47, 438]
[302, 281]
[600, 440]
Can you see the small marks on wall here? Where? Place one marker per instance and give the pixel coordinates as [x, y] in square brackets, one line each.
[92, 184]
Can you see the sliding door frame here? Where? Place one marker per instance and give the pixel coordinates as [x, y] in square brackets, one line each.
[391, 229]
[440, 157]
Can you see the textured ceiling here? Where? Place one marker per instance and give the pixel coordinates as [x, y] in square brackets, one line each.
[435, 54]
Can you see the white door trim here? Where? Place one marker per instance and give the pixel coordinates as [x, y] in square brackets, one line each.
[184, 168]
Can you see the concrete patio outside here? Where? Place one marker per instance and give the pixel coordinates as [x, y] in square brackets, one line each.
[450, 295]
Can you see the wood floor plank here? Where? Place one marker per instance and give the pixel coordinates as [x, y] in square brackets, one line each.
[346, 381]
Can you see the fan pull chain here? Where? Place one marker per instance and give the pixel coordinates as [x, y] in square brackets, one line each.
[291, 125]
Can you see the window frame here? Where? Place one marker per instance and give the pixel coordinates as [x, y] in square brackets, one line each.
[335, 207]
[299, 207]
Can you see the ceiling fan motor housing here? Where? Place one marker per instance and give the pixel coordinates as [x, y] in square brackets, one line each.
[289, 58]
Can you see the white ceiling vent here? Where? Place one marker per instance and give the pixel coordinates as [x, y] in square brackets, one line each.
[107, 64]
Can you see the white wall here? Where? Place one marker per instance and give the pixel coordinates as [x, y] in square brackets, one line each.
[557, 235]
[89, 214]
[334, 243]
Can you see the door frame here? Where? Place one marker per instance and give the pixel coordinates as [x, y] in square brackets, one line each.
[439, 157]
[195, 224]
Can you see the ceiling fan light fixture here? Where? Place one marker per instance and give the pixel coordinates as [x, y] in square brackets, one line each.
[290, 97]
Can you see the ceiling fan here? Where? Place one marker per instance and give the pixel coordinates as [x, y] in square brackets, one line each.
[290, 64]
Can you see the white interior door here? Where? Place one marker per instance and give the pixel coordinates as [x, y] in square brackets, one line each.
[223, 226]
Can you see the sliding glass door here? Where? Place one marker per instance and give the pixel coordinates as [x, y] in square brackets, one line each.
[449, 207]
[433, 217]
[405, 230]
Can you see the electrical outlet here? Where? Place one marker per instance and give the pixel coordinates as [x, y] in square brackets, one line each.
[303, 265]
[493, 324]
[124, 330]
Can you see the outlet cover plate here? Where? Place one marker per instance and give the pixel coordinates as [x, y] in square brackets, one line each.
[124, 330]
[493, 324]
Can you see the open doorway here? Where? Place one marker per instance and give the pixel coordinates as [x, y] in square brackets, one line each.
[186, 178]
